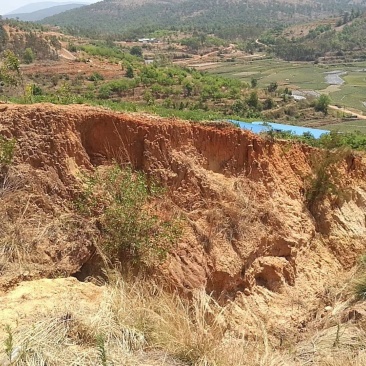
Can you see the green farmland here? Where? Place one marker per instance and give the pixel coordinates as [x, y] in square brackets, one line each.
[303, 76]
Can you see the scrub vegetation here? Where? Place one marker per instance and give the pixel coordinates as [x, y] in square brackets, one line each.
[125, 204]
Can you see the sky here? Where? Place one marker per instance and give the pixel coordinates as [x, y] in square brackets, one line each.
[6, 6]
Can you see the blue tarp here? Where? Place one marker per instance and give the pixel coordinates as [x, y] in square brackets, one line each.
[258, 127]
[251, 127]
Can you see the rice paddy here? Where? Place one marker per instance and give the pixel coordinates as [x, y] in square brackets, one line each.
[347, 89]
[304, 76]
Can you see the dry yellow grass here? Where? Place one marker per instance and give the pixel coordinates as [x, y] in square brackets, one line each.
[138, 323]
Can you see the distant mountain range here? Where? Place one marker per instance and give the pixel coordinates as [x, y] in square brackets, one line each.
[40, 14]
[141, 16]
[30, 8]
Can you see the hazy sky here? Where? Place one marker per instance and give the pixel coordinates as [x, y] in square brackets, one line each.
[9, 5]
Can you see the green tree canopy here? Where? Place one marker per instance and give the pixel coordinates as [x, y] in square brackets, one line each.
[322, 104]
[136, 51]
[28, 56]
[10, 69]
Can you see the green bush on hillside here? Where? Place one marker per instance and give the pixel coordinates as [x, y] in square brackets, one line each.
[325, 180]
[131, 229]
[360, 283]
[7, 147]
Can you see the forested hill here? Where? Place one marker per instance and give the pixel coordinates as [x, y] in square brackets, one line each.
[344, 40]
[136, 18]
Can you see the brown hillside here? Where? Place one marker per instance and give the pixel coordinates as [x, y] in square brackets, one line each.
[214, 174]
[248, 234]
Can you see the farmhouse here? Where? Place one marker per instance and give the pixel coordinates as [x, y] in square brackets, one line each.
[147, 40]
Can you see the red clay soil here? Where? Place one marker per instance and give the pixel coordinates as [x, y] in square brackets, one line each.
[248, 228]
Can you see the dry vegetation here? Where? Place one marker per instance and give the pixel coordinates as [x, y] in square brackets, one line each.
[138, 323]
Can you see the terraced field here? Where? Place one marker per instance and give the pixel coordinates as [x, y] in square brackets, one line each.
[304, 76]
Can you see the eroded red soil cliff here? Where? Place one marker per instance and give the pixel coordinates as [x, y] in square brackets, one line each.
[247, 229]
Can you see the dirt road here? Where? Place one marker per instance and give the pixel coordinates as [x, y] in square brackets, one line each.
[359, 116]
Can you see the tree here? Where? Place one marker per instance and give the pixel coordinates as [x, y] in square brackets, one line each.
[253, 100]
[28, 56]
[4, 38]
[10, 69]
[188, 88]
[272, 87]
[346, 17]
[136, 51]
[129, 72]
[240, 108]
[254, 83]
[148, 97]
[192, 43]
[268, 103]
[321, 105]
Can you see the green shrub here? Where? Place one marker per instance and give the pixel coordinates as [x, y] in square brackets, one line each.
[71, 47]
[101, 350]
[359, 285]
[325, 179]
[136, 51]
[104, 92]
[322, 103]
[7, 147]
[28, 56]
[95, 77]
[10, 73]
[9, 343]
[360, 288]
[132, 229]
[129, 72]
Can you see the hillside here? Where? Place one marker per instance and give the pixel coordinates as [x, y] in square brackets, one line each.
[18, 39]
[278, 270]
[119, 17]
[340, 39]
[43, 13]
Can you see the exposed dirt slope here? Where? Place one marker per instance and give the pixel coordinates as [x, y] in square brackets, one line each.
[249, 235]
